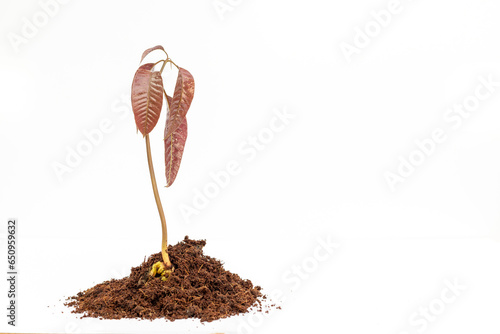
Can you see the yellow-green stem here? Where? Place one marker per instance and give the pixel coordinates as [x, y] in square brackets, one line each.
[164, 253]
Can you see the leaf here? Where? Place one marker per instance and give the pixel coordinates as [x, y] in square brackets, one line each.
[148, 51]
[174, 147]
[169, 103]
[181, 101]
[147, 98]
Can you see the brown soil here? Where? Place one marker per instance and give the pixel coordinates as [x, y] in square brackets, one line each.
[198, 288]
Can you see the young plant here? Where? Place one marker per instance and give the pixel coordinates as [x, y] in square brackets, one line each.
[147, 101]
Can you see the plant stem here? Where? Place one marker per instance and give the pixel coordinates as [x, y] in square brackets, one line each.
[164, 253]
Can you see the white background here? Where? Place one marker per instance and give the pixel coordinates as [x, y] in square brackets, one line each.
[322, 176]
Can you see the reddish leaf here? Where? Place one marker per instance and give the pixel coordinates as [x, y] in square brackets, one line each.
[181, 101]
[147, 98]
[169, 103]
[174, 147]
[148, 51]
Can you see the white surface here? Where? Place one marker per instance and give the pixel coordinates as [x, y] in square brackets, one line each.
[321, 175]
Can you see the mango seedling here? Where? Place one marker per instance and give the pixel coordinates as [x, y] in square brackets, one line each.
[147, 102]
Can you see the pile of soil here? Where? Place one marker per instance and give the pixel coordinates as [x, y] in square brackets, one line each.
[199, 287]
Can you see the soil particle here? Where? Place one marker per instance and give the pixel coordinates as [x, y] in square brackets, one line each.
[199, 287]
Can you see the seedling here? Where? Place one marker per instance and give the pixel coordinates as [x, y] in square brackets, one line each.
[147, 102]
[213, 292]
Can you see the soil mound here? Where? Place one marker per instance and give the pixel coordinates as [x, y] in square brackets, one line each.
[199, 288]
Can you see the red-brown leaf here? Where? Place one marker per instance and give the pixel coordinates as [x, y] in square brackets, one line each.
[169, 103]
[181, 101]
[174, 147]
[147, 98]
[148, 51]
